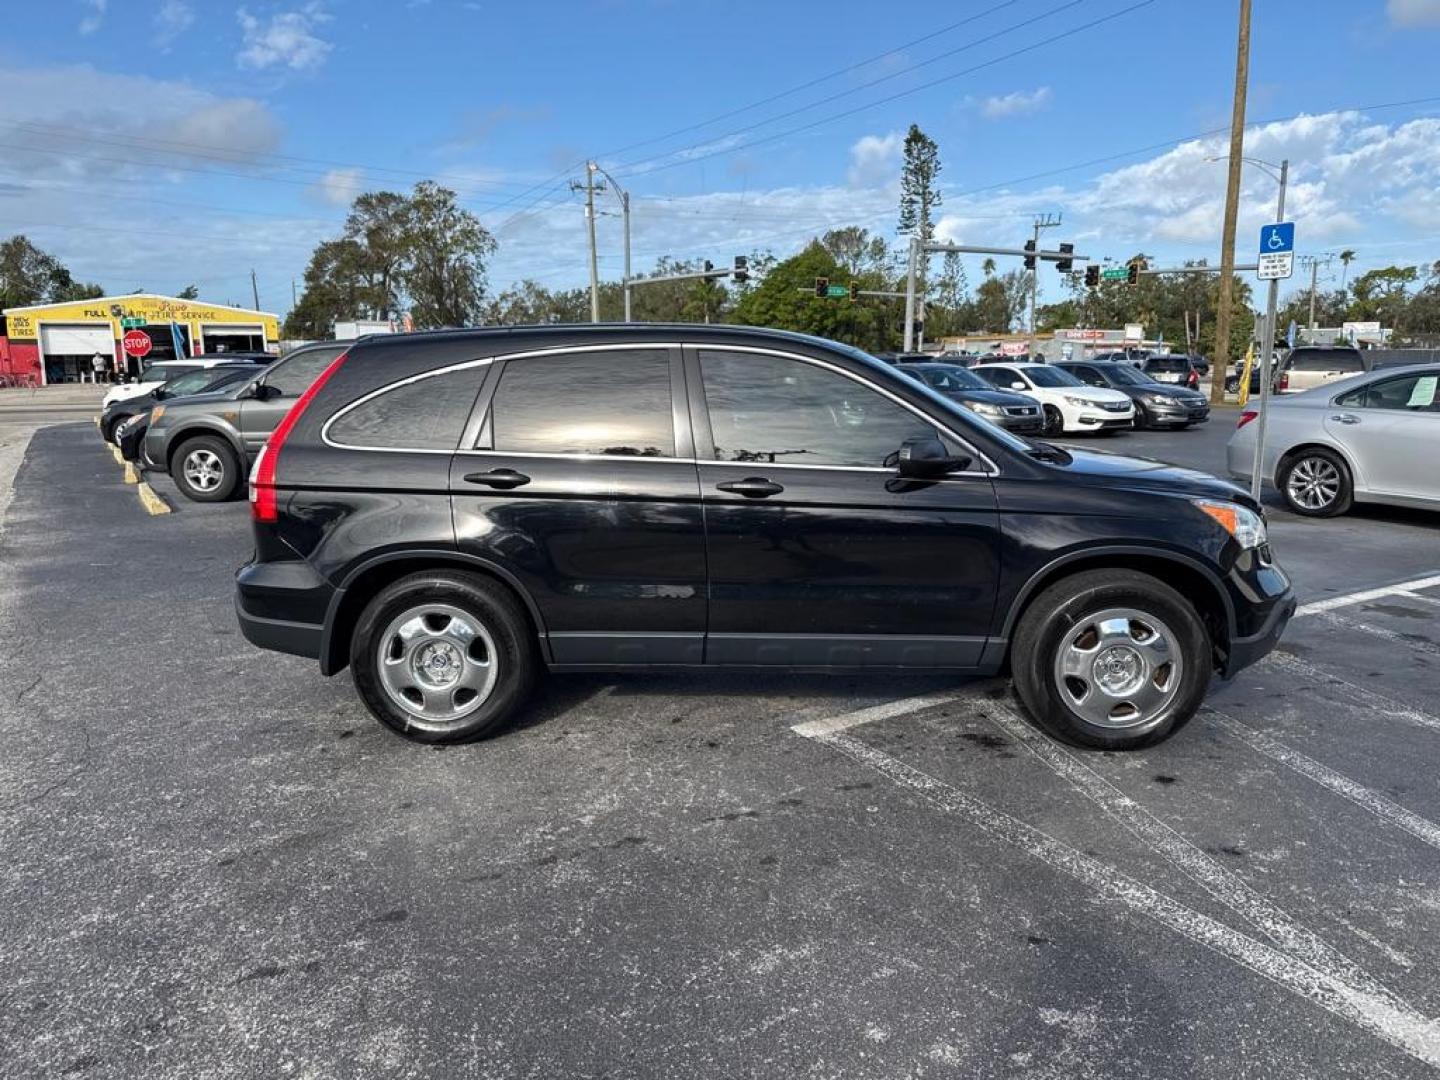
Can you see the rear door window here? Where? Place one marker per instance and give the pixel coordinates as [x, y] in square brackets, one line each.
[1411, 393]
[615, 402]
[427, 413]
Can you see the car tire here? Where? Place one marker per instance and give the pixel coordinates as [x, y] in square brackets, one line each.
[205, 469]
[107, 429]
[1054, 421]
[1315, 483]
[463, 653]
[1090, 652]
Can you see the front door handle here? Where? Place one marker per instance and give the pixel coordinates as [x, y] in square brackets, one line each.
[752, 487]
[1346, 418]
[505, 479]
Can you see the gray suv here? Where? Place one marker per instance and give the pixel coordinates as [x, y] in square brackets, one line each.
[207, 441]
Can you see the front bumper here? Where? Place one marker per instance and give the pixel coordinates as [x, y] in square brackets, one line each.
[1245, 651]
[1106, 421]
[1177, 414]
[1023, 425]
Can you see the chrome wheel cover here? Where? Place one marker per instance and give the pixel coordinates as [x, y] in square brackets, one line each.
[1119, 668]
[437, 665]
[204, 471]
[1313, 483]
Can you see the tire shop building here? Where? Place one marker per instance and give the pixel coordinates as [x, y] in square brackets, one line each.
[54, 343]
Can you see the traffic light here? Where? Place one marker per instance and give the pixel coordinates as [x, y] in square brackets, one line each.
[1030, 258]
[741, 273]
[1132, 273]
[854, 291]
[1067, 264]
[822, 287]
[1092, 275]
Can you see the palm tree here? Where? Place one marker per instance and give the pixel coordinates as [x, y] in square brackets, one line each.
[988, 267]
[1346, 258]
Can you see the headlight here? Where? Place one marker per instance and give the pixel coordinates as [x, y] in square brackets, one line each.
[1244, 525]
[1079, 402]
[155, 414]
[1159, 399]
[983, 409]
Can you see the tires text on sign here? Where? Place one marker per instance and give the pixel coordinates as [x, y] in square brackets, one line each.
[136, 343]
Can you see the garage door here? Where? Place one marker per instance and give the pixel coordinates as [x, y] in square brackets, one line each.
[77, 340]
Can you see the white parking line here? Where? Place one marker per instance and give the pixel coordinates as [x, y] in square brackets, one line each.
[1382, 703]
[1221, 883]
[1387, 811]
[1408, 595]
[1407, 640]
[1400, 1026]
[1315, 607]
[884, 711]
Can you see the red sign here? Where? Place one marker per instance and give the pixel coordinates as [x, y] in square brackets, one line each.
[136, 343]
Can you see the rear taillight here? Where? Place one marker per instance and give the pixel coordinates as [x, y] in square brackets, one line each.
[1245, 418]
[1284, 383]
[264, 506]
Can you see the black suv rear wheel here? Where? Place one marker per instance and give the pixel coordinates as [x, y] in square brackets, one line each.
[443, 657]
[1112, 659]
[206, 469]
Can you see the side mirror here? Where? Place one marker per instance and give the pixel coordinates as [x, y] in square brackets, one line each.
[265, 392]
[925, 457]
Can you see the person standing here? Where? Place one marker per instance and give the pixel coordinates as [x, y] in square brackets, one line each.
[97, 365]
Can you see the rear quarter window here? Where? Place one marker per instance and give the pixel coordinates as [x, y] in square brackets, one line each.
[427, 413]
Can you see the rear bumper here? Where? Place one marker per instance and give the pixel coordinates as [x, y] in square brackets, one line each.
[281, 606]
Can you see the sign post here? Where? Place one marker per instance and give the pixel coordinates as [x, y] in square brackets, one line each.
[1276, 261]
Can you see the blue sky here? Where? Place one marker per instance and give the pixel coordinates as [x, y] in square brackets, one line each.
[152, 143]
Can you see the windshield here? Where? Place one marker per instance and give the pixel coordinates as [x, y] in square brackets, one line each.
[949, 377]
[1051, 378]
[1125, 375]
[190, 382]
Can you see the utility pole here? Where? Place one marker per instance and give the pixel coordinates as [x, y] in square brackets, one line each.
[1267, 346]
[1232, 206]
[590, 188]
[909, 345]
[1315, 262]
[254, 290]
[1042, 221]
[294, 294]
[625, 219]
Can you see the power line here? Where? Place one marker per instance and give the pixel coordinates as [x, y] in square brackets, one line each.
[900, 94]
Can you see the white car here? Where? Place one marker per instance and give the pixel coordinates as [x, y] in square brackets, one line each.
[1068, 404]
[157, 373]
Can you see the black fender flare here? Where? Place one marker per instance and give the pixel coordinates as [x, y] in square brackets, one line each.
[1026, 591]
[450, 556]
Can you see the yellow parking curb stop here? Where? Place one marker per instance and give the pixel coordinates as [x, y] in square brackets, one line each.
[131, 476]
[152, 500]
[115, 453]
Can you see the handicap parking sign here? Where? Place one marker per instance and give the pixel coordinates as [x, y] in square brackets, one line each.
[1277, 250]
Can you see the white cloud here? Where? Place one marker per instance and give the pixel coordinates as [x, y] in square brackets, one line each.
[875, 160]
[339, 187]
[1013, 104]
[172, 18]
[94, 15]
[286, 40]
[1413, 12]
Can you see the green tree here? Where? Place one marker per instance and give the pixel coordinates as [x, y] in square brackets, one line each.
[1346, 258]
[443, 251]
[31, 276]
[786, 300]
[189, 292]
[339, 284]
[1381, 295]
[919, 191]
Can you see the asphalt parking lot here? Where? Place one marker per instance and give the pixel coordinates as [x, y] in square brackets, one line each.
[217, 865]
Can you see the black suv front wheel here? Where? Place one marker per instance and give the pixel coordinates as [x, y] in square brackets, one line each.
[443, 657]
[1112, 659]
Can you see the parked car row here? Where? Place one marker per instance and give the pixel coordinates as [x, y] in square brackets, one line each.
[1065, 397]
[205, 425]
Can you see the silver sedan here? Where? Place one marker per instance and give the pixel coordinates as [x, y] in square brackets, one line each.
[1369, 438]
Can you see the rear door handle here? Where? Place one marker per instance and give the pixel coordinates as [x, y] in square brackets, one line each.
[505, 479]
[1346, 418]
[752, 487]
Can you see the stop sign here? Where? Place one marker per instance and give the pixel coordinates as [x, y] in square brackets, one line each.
[136, 343]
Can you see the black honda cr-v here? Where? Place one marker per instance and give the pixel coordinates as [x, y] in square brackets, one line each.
[450, 513]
